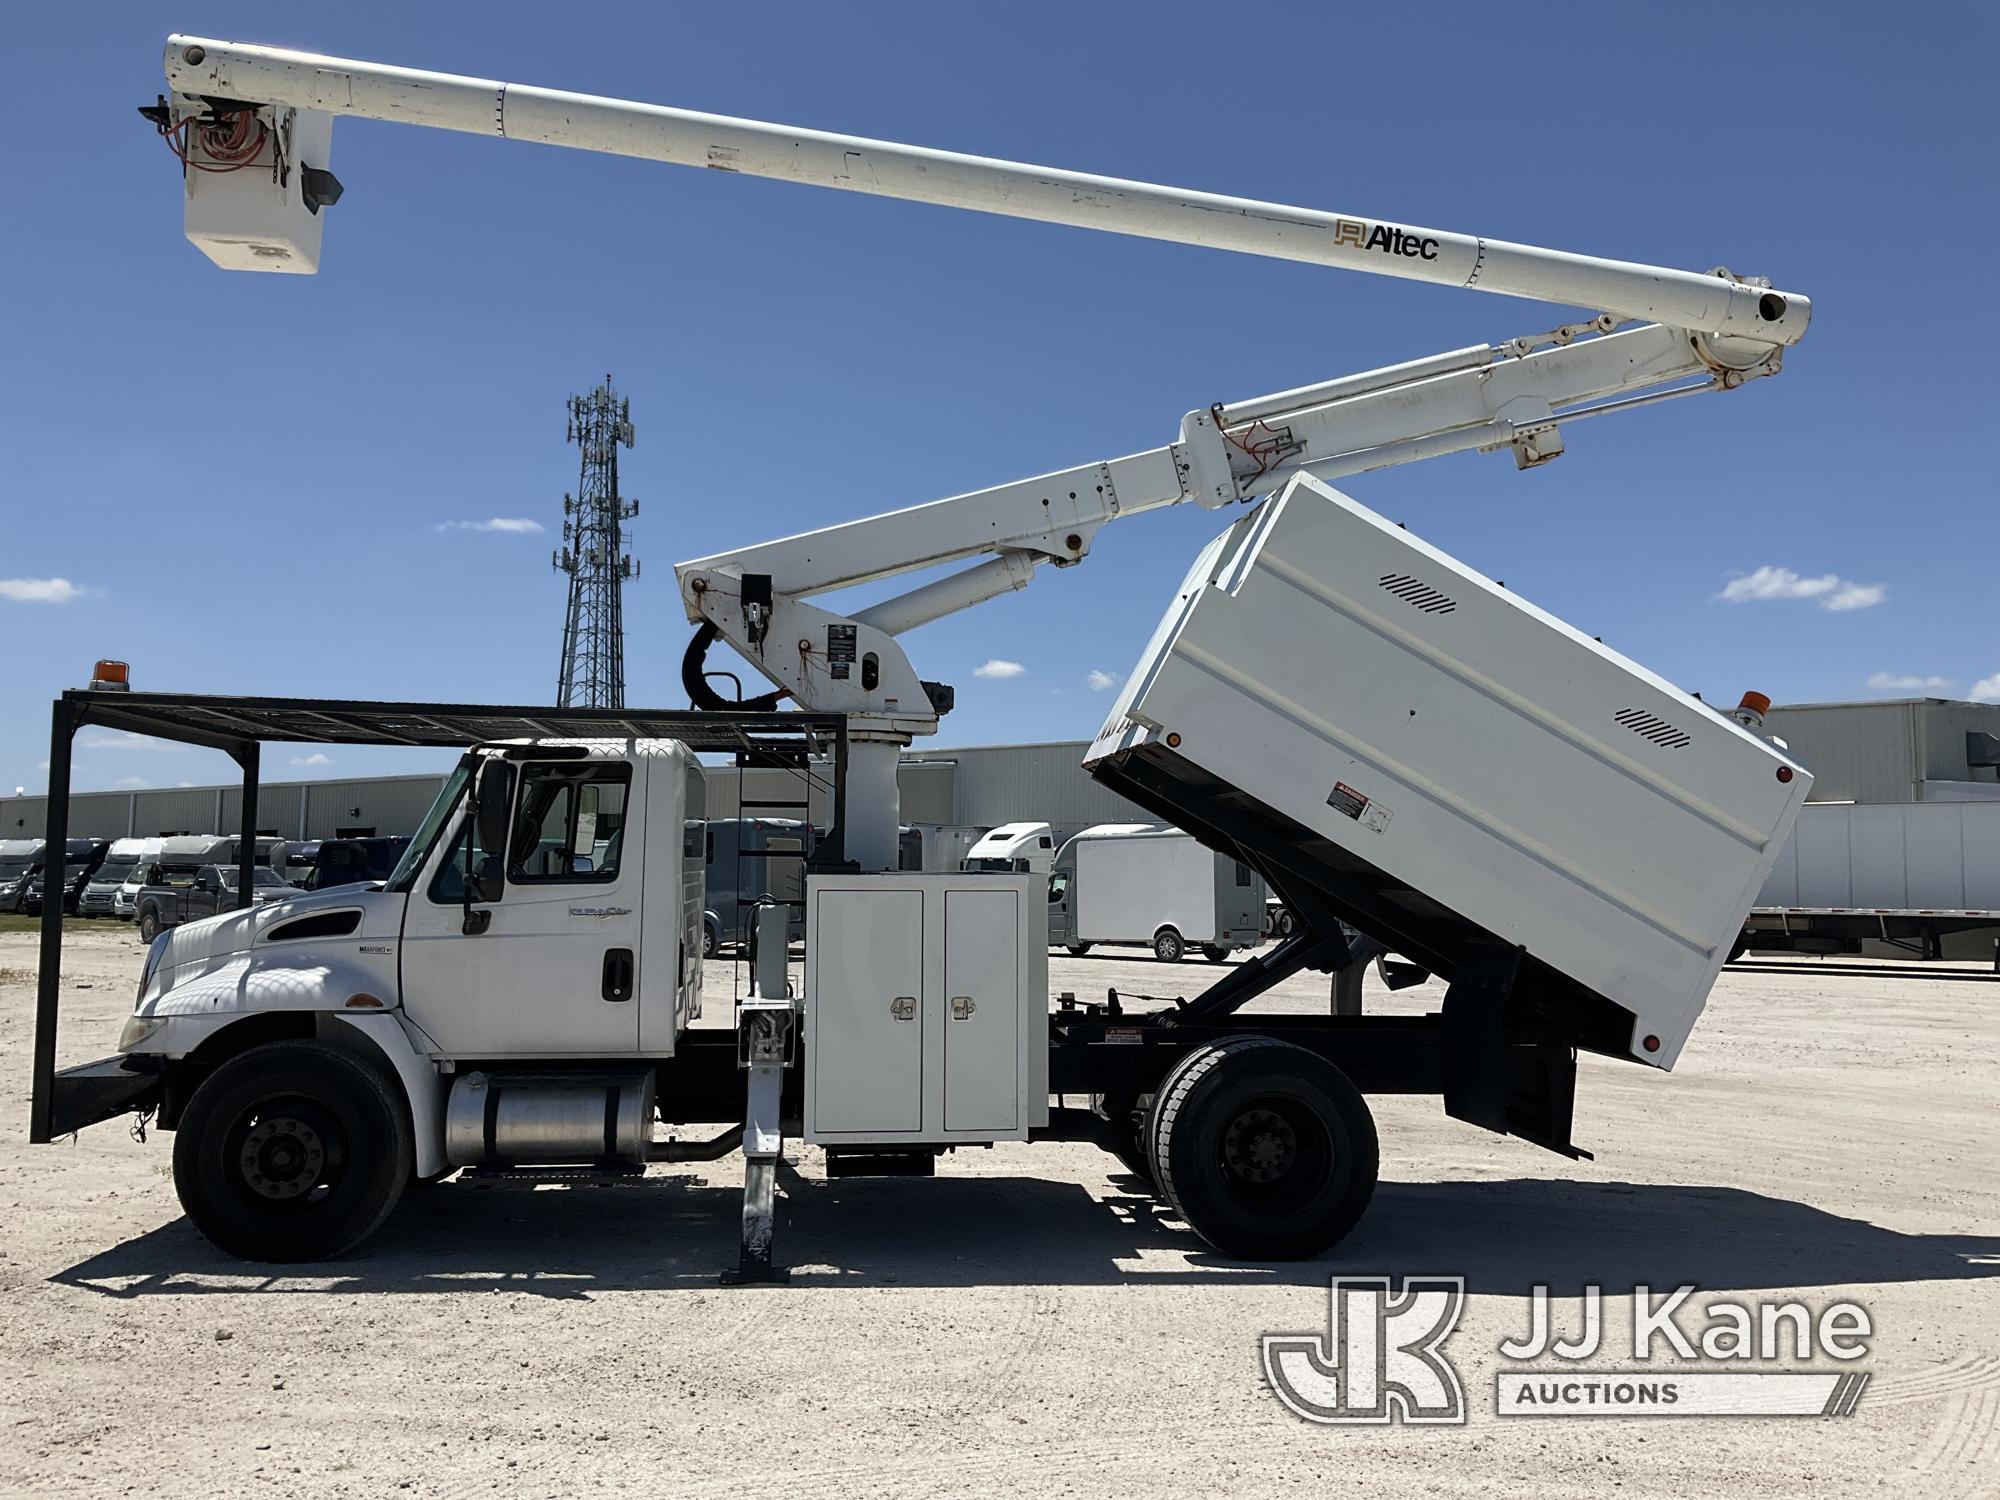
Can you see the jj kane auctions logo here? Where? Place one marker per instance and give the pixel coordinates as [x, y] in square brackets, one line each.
[1381, 1358]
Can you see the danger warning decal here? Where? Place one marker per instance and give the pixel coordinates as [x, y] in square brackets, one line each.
[1368, 813]
[1344, 799]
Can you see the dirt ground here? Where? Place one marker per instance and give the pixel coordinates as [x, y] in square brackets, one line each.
[1028, 1322]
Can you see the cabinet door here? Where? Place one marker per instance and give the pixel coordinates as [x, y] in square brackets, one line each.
[982, 1010]
[867, 1011]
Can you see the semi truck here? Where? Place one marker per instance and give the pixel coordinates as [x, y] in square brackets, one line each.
[1140, 883]
[1569, 841]
[1013, 848]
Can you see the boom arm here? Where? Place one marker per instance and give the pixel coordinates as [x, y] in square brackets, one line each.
[253, 128]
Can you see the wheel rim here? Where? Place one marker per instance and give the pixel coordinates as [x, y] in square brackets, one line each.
[285, 1153]
[1277, 1153]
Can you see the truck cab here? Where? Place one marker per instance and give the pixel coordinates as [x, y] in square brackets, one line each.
[1012, 849]
[499, 997]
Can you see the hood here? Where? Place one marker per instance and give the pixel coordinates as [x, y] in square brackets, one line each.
[238, 931]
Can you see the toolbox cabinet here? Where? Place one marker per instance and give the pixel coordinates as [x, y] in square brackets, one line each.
[926, 1008]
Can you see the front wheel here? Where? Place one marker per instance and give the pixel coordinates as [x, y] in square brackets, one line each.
[1167, 946]
[292, 1151]
[1266, 1149]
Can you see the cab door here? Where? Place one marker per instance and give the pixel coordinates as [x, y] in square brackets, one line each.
[556, 970]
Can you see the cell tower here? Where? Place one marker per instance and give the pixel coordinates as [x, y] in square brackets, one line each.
[593, 554]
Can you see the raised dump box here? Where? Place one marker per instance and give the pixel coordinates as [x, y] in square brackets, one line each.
[1398, 741]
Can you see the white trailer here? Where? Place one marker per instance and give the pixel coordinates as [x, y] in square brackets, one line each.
[1140, 883]
[1899, 880]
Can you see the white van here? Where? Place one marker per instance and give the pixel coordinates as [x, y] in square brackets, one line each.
[1142, 883]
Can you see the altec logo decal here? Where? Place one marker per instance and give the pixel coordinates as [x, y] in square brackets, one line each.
[1384, 237]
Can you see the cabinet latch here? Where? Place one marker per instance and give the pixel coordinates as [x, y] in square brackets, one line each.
[904, 1007]
[962, 1007]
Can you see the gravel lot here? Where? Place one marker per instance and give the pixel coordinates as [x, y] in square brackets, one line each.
[1028, 1322]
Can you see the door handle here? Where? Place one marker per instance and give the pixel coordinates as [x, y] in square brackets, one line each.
[617, 974]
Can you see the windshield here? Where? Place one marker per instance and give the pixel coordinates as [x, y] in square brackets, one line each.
[114, 870]
[15, 864]
[405, 874]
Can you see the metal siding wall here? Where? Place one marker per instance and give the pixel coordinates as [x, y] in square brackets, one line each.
[175, 810]
[1857, 752]
[1033, 783]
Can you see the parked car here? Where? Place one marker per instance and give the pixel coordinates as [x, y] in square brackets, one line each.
[81, 857]
[20, 862]
[203, 893]
[332, 862]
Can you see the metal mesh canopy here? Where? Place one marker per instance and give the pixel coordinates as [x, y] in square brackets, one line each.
[226, 723]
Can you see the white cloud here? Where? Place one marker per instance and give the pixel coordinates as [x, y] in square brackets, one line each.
[1829, 589]
[1905, 681]
[317, 758]
[132, 783]
[41, 765]
[1987, 689]
[40, 590]
[1099, 681]
[1855, 596]
[516, 525]
[123, 740]
[998, 668]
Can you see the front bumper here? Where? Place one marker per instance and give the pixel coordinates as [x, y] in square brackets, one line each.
[102, 1090]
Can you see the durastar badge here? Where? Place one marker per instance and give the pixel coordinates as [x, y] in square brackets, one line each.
[603, 913]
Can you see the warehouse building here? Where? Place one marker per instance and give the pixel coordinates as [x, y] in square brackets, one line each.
[1904, 750]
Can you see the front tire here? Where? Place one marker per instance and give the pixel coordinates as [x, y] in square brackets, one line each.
[1266, 1149]
[292, 1151]
[1167, 946]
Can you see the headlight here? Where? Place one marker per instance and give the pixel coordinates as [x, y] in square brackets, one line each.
[137, 1030]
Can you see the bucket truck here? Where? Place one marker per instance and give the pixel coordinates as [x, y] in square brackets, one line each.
[1566, 839]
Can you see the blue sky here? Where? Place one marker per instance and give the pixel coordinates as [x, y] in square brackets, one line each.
[241, 478]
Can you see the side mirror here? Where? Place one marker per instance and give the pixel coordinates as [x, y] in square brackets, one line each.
[495, 793]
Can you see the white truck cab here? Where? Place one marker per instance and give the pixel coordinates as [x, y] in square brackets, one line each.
[1013, 848]
[530, 926]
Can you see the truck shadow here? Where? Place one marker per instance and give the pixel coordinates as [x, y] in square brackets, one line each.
[672, 1232]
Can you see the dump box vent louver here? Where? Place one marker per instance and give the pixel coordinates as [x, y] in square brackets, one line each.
[1658, 730]
[1426, 598]
[330, 924]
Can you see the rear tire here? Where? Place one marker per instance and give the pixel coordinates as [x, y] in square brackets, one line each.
[1266, 1150]
[292, 1151]
[1167, 946]
[710, 942]
[1215, 953]
[1077, 950]
[149, 924]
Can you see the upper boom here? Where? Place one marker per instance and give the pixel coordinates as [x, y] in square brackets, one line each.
[275, 80]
